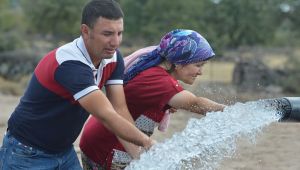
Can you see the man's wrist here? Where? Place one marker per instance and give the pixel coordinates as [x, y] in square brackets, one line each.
[147, 143]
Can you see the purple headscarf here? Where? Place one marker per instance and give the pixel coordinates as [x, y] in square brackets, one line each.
[179, 47]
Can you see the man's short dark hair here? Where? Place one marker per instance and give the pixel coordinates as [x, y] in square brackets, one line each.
[108, 9]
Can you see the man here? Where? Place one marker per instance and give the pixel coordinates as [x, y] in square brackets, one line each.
[64, 89]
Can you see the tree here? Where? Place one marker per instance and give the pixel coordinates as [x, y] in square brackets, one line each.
[293, 15]
[12, 27]
[59, 18]
[133, 20]
[242, 22]
[226, 23]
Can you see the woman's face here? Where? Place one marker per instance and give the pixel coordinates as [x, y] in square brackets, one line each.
[188, 73]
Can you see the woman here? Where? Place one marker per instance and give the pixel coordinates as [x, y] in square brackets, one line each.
[152, 91]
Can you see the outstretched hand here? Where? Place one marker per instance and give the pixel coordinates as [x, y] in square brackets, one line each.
[149, 144]
[172, 110]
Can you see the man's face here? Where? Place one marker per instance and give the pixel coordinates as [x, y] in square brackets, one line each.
[104, 38]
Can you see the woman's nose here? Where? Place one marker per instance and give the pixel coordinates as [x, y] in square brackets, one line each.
[199, 72]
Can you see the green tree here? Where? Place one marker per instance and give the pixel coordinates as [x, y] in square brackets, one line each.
[168, 15]
[241, 22]
[225, 23]
[133, 11]
[151, 19]
[293, 14]
[12, 27]
[59, 18]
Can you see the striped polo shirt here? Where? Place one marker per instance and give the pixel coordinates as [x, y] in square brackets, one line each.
[49, 116]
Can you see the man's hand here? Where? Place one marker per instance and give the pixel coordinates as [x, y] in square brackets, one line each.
[149, 143]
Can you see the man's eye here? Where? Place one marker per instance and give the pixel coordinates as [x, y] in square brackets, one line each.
[107, 33]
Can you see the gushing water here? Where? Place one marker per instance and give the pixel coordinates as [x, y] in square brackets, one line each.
[205, 142]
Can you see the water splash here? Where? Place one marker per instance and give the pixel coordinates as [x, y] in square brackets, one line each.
[205, 142]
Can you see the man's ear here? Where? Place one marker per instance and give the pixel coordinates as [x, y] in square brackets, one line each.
[85, 30]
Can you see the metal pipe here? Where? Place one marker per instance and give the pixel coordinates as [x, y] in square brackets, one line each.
[288, 107]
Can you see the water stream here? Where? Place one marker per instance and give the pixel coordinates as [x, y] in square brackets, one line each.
[205, 142]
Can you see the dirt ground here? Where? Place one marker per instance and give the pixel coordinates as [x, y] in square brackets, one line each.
[277, 148]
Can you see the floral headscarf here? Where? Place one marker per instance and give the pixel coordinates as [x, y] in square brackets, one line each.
[179, 47]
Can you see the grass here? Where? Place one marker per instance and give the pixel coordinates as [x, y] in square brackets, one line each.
[214, 71]
[275, 61]
[218, 72]
[12, 87]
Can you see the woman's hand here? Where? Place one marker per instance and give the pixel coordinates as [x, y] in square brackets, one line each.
[172, 110]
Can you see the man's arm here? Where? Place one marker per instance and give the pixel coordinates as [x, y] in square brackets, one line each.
[188, 101]
[97, 104]
[115, 94]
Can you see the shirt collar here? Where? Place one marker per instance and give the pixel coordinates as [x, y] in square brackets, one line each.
[80, 44]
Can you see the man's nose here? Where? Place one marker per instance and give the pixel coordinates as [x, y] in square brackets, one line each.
[115, 40]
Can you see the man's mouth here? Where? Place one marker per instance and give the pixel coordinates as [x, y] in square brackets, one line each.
[110, 51]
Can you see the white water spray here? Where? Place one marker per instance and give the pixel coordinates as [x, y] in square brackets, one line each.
[205, 142]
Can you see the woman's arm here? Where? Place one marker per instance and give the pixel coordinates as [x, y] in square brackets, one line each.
[188, 101]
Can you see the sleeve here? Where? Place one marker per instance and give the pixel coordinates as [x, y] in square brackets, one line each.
[76, 77]
[117, 75]
[152, 91]
[169, 87]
